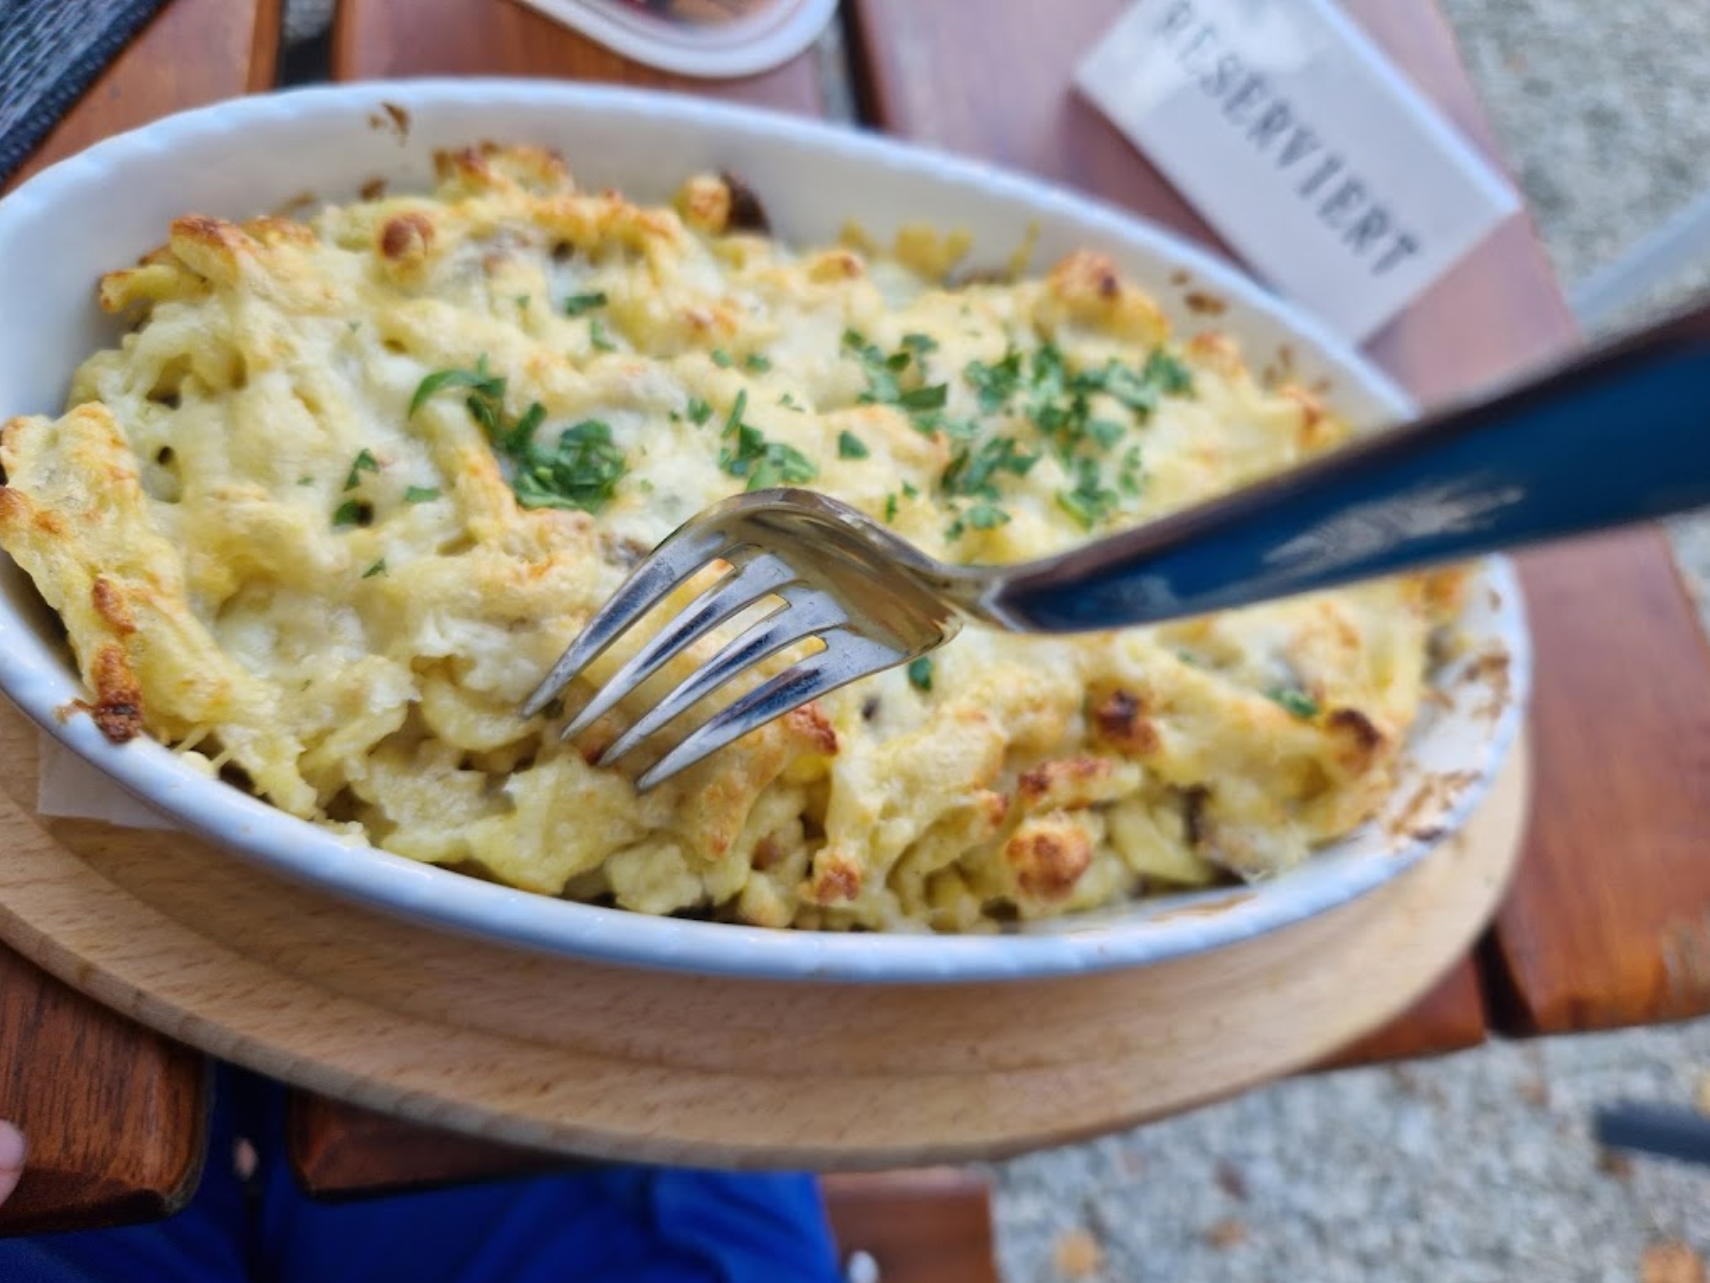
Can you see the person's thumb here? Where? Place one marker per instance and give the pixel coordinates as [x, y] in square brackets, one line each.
[11, 1158]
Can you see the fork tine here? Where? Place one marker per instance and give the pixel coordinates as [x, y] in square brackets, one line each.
[734, 592]
[846, 657]
[661, 570]
[799, 620]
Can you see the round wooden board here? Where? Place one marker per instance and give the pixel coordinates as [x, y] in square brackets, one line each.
[632, 1065]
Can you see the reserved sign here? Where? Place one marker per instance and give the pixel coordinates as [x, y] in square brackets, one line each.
[1317, 161]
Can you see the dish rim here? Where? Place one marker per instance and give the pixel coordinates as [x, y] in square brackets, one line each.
[1144, 932]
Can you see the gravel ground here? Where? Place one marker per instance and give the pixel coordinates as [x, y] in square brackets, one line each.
[1478, 1166]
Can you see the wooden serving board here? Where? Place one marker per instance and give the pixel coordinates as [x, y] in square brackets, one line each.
[615, 1063]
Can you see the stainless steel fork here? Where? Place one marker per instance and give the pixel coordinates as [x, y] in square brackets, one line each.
[1618, 436]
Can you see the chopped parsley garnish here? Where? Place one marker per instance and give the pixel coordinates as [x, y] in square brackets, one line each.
[850, 446]
[597, 336]
[994, 384]
[581, 470]
[482, 383]
[790, 403]
[919, 344]
[920, 673]
[890, 508]
[1162, 375]
[365, 462]
[1295, 701]
[522, 302]
[986, 516]
[697, 410]
[722, 359]
[421, 494]
[756, 362]
[973, 470]
[580, 304]
[378, 568]
[305, 481]
[884, 385]
[1088, 502]
[353, 512]
[733, 420]
[1039, 389]
[1168, 373]
[747, 454]
[929, 397]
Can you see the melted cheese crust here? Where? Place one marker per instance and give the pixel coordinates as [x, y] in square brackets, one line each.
[265, 559]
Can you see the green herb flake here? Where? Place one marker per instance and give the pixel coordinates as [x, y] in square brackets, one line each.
[582, 304]
[733, 420]
[722, 359]
[994, 384]
[756, 362]
[421, 494]
[305, 481]
[697, 410]
[580, 471]
[890, 508]
[597, 336]
[883, 371]
[378, 568]
[1089, 503]
[747, 454]
[973, 470]
[484, 386]
[1168, 374]
[1295, 701]
[920, 344]
[920, 673]
[522, 302]
[365, 462]
[352, 512]
[986, 516]
[782, 465]
[850, 446]
[930, 397]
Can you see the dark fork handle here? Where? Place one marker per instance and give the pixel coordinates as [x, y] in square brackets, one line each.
[1619, 436]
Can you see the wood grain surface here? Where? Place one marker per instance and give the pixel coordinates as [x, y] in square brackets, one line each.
[1609, 921]
[614, 1063]
[114, 1112]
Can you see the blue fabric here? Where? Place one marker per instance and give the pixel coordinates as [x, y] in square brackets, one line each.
[50, 52]
[634, 1224]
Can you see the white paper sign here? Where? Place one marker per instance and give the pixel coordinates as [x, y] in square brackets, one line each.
[1295, 137]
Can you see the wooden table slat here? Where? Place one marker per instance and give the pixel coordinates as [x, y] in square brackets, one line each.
[1608, 921]
[1451, 1017]
[116, 1113]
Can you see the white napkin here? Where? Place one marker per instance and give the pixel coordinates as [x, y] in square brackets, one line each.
[68, 786]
